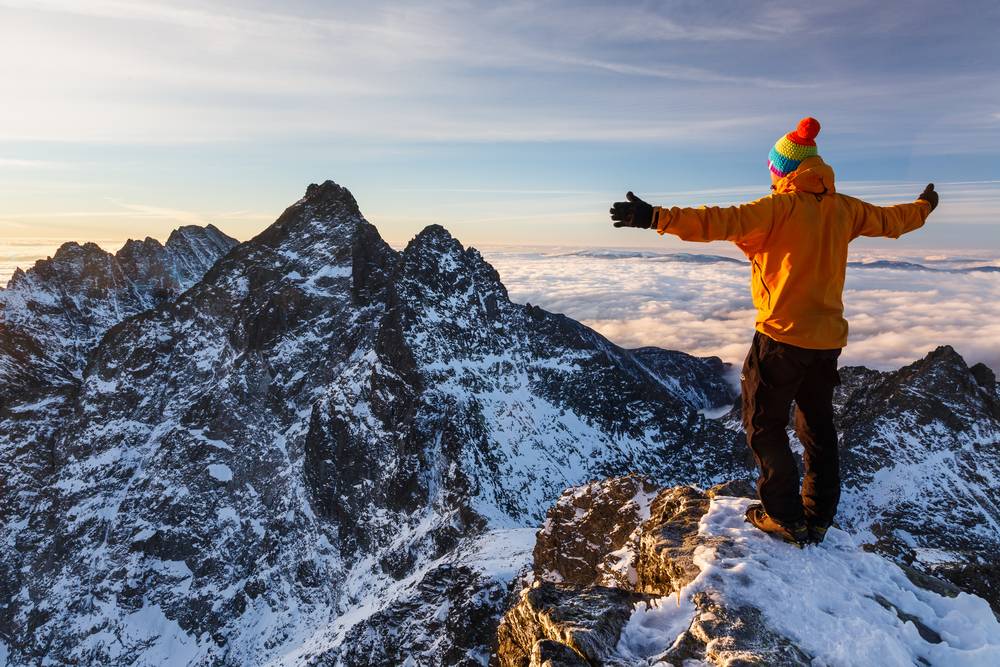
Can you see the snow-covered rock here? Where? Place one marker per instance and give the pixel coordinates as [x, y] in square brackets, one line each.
[54, 313]
[52, 317]
[709, 588]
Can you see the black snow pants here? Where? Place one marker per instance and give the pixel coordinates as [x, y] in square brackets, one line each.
[775, 374]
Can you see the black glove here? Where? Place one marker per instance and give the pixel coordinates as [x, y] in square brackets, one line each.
[632, 213]
[929, 196]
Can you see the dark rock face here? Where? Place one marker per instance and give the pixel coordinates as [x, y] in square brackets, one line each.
[449, 602]
[585, 528]
[702, 382]
[585, 620]
[666, 546]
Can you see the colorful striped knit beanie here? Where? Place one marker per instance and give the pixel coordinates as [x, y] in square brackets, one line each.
[794, 147]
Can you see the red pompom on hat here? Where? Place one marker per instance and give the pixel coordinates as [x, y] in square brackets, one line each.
[806, 132]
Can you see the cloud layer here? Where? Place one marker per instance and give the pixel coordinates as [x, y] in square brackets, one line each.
[701, 304]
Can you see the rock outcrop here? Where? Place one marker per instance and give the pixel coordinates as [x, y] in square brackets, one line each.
[706, 588]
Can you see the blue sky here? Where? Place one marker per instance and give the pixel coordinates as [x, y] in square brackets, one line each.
[510, 122]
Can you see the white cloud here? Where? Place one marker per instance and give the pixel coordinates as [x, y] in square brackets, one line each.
[704, 308]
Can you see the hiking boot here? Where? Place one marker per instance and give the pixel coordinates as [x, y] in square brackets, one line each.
[797, 533]
[817, 532]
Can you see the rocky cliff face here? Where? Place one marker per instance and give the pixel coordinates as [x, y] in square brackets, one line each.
[326, 451]
[677, 577]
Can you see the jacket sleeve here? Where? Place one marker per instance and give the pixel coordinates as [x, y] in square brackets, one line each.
[890, 221]
[747, 224]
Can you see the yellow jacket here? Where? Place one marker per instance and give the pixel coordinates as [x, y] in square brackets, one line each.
[796, 239]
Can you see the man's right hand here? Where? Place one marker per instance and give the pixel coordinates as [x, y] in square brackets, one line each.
[632, 213]
[929, 196]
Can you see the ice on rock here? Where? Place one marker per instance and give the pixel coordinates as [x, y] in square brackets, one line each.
[220, 472]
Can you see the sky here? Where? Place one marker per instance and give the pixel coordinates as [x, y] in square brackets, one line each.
[509, 123]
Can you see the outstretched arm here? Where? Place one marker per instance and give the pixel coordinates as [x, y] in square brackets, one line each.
[744, 224]
[892, 221]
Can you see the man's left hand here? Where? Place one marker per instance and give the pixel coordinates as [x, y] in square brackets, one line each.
[930, 196]
[632, 213]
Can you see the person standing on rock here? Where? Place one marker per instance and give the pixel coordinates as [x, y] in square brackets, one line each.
[796, 239]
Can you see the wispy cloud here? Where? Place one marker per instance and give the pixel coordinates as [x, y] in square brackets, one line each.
[17, 163]
[146, 210]
[464, 71]
[676, 72]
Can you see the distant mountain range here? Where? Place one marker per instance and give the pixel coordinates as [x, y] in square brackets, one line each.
[696, 258]
[310, 448]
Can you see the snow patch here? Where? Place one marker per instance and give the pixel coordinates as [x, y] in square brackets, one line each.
[220, 471]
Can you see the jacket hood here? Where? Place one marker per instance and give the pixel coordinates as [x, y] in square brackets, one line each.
[813, 175]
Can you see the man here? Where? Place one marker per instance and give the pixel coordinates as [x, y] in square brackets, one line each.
[796, 239]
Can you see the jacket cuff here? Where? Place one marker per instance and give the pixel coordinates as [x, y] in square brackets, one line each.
[661, 218]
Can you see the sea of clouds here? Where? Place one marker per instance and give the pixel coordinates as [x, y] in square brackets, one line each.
[899, 306]
[23, 253]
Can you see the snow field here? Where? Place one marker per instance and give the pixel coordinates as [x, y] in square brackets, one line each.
[836, 602]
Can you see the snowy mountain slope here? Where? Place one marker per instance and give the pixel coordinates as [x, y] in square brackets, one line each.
[51, 317]
[309, 440]
[707, 386]
[921, 464]
[702, 586]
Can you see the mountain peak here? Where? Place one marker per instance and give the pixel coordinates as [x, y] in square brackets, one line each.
[940, 363]
[74, 249]
[435, 239]
[325, 207]
[327, 193]
[435, 232]
[440, 261]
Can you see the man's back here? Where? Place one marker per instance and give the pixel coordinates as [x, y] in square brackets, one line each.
[796, 240]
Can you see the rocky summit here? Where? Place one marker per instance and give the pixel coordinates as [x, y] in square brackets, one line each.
[312, 448]
[678, 577]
